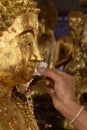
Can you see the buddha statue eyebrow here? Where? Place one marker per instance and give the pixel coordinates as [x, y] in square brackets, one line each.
[26, 31]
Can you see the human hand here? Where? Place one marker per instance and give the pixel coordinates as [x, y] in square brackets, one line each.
[60, 85]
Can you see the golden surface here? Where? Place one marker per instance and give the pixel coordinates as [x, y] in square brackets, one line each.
[18, 54]
[70, 54]
[47, 45]
[19, 50]
[10, 9]
[65, 44]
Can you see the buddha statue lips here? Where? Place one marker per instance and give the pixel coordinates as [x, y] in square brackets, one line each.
[19, 50]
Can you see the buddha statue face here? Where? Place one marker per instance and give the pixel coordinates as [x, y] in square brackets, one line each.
[75, 19]
[19, 50]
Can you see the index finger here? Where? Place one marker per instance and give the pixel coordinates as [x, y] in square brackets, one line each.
[50, 73]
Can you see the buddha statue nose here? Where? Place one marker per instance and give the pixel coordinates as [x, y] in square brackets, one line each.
[36, 55]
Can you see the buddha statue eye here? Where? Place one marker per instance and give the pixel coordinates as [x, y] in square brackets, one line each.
[26, 39]
[29, 44]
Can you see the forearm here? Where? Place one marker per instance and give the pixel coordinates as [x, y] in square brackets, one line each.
[70, 110]
[64, 98]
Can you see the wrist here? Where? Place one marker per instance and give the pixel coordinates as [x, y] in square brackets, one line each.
[75, 114]
[69, 109]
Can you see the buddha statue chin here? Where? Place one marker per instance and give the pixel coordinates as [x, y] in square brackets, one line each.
[18, 54]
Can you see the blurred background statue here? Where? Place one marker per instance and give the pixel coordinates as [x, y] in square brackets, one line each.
[65, 44]
[18, 54]
[79, 66]
[46, 41]
[67, 49]
[47, 20]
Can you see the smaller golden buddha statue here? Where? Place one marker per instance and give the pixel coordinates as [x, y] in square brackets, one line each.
[45, 46]
[66, 44]
[78, 53]
[80, 61]
[47, 20]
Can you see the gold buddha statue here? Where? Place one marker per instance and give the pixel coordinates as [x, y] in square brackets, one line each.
[47, 20]
[46, 41]
[78, 61]
[47, 44]
[79, 67]
[19, 53]
[48, 16]
[65, 44]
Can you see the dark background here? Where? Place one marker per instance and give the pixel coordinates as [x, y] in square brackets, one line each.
[66, 5]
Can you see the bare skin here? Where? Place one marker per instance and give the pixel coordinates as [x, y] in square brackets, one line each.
[63, 96]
